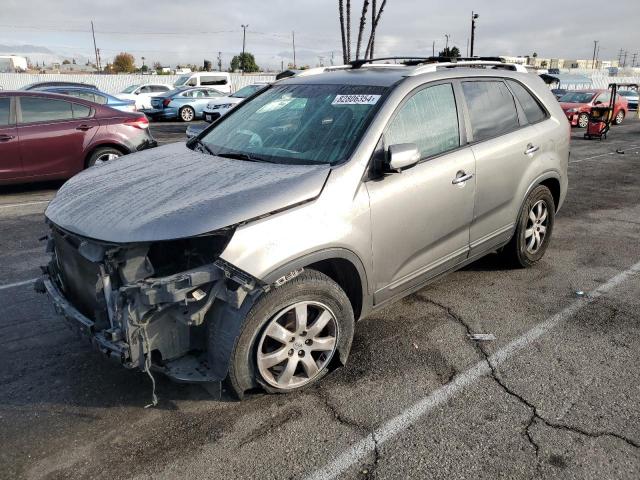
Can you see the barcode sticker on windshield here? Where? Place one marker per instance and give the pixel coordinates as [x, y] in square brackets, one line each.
[355, 100]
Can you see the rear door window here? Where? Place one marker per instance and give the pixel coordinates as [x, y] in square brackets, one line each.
[492, 108]
[532, 109]
[428, 119]
[158, 88]
[37, 109]
[5, 111]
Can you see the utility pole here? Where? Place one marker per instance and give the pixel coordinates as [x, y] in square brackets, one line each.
[99, 60]
[244, 37]
[219, 61]
[624, 59]
[593, 59]
[467, 46]
[332, 58]
[95, 49]
[620, 57]
[446, 44]
[474, 17]
[433, 49]
[293, 40]
[321, 60]
[633, 61]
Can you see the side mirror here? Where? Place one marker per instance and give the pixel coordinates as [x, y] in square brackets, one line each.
[598, 102]
[402, 156]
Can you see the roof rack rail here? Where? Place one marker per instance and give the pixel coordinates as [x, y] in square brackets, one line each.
[413, 61]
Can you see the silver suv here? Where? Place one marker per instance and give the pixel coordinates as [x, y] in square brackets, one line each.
[248, 253]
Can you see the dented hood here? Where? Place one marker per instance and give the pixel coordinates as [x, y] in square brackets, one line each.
[173, 192]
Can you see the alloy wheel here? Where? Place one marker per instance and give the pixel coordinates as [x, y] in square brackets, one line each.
[583, 121]
[619, 117]
[105, 157]
[537, 223]
[187, 114]
[297, 344]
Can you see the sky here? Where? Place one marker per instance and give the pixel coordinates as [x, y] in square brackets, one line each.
[172, 32]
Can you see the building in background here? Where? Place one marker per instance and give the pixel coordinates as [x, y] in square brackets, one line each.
[12, 64]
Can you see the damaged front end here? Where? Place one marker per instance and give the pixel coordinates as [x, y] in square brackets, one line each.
[148, 305]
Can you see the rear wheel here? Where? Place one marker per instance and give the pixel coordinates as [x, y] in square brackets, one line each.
[187, 114]
[291, 335]
[619, 117]
[583, 120]
[102, 155]
[533, 230]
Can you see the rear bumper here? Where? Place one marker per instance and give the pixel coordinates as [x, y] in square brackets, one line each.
[160, 112]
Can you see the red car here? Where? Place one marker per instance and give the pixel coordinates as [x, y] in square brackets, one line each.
[577, 105]
[45, 136]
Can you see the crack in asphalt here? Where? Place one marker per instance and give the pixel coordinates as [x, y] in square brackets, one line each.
[535, 414]
[333, 410]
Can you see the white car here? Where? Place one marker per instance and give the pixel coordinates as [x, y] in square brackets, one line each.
[142, 94]
[221, 105]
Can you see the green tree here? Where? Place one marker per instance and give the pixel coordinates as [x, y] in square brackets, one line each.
[124, 63]
[450, 52]
[249, 63]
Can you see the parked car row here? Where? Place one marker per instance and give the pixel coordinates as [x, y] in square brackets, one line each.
[49, 136]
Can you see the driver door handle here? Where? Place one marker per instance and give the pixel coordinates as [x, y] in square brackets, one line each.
[531, 149]
[461, 177]
[84, 127]
[6, 138]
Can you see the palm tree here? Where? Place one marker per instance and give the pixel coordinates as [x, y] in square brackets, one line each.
[345, 28]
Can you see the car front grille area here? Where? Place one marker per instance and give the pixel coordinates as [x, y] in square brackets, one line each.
[78, 278]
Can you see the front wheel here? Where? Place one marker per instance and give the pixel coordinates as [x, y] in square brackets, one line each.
[583, 120]
[187, 114]
[533, 229]
[291, 336]
[619, 118]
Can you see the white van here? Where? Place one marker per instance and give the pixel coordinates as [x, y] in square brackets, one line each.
[219, 80]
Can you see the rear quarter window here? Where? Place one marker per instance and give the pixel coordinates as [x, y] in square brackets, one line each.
[532, 109]
[492, 108]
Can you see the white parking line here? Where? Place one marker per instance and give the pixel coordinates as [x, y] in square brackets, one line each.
[26, 204]
[602, 154]
[17, 284]
[411, 415]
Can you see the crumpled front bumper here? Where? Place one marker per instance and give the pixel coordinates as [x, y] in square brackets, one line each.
[79, 323]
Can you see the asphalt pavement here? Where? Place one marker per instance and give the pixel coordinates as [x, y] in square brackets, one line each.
[556, 394]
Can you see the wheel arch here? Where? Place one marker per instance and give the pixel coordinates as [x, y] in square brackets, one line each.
[341, 265]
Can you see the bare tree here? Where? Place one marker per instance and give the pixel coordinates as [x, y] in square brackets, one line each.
[344, 44]
[345, 28]
[363, 21]
[348, 30]
[374, 26]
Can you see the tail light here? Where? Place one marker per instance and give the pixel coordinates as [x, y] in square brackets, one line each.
[166, 102]
[139, 122]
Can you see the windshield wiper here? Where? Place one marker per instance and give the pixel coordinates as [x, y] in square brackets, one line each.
[244, 156]
[202, 145]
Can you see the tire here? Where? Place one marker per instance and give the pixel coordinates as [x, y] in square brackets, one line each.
[255, 348]
[619, 118]
[187, 114]
[522, 251]
[583, 120]
[103, 154]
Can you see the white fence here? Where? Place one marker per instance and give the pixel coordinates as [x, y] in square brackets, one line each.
[114, 83]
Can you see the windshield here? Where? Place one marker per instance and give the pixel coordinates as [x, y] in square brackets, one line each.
[130, 89]
[182, 79]
[247, 91]
[577, 97]
[628, 93]
[301, 124]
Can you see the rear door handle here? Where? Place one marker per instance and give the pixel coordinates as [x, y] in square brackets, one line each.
[84, 127]
[531, 149]
[6, 138]
[461, 177]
